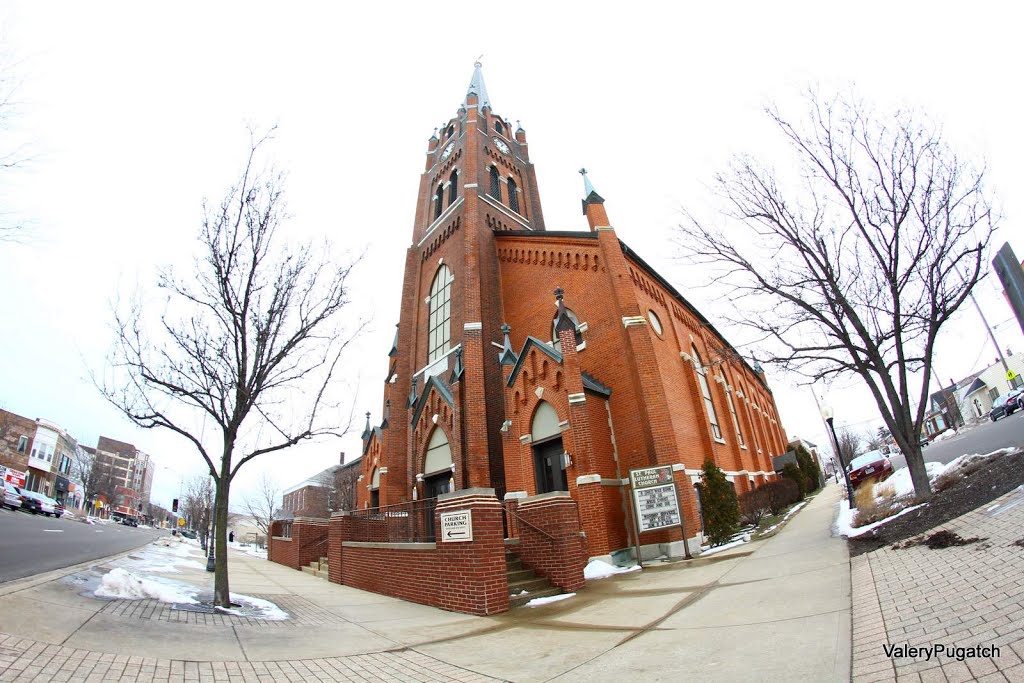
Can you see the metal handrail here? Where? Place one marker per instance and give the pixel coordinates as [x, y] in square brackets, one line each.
[536, 528]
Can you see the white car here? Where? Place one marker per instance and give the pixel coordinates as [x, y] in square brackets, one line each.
[47, 506]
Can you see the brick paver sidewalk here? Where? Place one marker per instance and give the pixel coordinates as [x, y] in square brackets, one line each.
[28, 660]
[965, 596]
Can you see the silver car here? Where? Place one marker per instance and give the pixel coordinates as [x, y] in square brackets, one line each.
[12, 498]
[46, 505]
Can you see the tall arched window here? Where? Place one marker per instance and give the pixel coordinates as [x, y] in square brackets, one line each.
[513, 198]
[453, 187]
[495, 184]
[498, 128]
[439, 328]
[732, 409]
[705, 390]
[438, 201]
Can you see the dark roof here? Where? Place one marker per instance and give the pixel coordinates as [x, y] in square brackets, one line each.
[530, 342]
[977, 385]
[114, 446]
[421, 401]
[591, 384]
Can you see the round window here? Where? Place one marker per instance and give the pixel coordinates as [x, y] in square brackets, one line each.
[655, 322]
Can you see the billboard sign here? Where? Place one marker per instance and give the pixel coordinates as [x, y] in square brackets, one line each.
[654, 498]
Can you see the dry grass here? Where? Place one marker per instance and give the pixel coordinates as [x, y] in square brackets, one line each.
[876, 502]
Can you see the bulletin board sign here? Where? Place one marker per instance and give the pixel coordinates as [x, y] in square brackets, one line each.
[654, 498]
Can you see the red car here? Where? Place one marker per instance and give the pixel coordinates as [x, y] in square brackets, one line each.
[870, 465]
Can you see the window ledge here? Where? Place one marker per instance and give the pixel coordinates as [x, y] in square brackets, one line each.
[718, 440]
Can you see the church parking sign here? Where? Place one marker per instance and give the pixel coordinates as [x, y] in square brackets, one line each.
[654, 498]
[457, 526]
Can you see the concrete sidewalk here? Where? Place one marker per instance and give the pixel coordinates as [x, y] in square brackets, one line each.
[777, 609]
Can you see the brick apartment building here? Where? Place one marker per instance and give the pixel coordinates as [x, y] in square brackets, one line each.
[132, 472]
[530, 360]
[16, 436]
[330, 490]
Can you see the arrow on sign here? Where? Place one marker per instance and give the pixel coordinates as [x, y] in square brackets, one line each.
[456, 533]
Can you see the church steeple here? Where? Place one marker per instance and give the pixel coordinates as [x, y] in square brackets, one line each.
[593, 204]
[479, 88]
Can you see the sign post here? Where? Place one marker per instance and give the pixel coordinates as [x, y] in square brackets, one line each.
[457, 526]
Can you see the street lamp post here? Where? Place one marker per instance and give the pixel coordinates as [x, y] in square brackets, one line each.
[826, 413]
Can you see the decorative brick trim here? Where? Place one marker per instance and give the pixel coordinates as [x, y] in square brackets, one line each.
[577, 398]
[473, 326]
[588, 479]
[389, 546]
[633, 320]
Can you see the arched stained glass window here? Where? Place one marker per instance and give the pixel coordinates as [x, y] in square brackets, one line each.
[513, 195]
[438, 201]
[495, 184]
[439, 326]
[453, 187]
[705, 390]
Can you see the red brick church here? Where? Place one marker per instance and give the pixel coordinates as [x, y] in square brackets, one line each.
[531, 360]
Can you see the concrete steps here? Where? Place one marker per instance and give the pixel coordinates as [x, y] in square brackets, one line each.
[524, 584]
[317, 568]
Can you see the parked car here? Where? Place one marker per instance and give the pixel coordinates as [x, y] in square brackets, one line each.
[58, 507]
[12, 497]
[1006, 404]
[46, 504]
[188, 533]
[29, 502]
[870, 465]
[129, 521]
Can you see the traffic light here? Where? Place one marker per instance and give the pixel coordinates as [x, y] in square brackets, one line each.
[174, 505]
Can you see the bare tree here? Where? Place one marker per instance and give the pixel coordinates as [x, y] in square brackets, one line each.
[197, 505]
[855, 266]
[263, 503]
[96, 476]
[849, 445]
[11, 155]
[249, 341]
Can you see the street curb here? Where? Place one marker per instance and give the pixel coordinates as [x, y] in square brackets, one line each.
[18, 585]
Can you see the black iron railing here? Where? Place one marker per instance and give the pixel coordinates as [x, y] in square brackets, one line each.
[411, 522]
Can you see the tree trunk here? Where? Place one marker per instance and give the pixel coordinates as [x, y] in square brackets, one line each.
[221, 590]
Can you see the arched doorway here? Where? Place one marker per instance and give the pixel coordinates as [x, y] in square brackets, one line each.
[548, 451]
[437, 466]
[375, 488]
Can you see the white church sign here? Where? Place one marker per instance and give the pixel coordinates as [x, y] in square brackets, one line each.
[457, 526]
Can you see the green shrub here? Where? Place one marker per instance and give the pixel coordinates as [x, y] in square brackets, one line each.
[793, 472]
[718, 501]
[781, 494]
[810, 469]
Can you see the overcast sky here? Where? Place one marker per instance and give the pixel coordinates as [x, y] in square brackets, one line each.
[133, 115]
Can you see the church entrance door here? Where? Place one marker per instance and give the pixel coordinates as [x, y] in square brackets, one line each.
[548, 463]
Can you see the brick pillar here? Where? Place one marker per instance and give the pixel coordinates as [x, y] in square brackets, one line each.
[339, 530]
[473, 572]
[550, 539]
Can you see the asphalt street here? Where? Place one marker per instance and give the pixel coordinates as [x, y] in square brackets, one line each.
[985, 438]
[32, 544]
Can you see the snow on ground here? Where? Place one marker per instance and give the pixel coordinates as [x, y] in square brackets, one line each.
[248, 549]
[775, 526]
[708, 550]
[166, 555]
[537, 602]
[948, 434]
[254, 608]
[120, 583]
[599, 569]
[844, 522]
[903, 486]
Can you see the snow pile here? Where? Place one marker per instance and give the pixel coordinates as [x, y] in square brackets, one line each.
[254, 608]
[537, 602]
[901, 484]
[599, 569]
[120, 583]
[792, 510]
[844, 522]
[708, 550]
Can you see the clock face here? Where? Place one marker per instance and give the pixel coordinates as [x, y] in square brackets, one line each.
[500, 144]
[448, 150]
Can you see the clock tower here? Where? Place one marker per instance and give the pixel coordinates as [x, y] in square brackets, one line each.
[444, 397]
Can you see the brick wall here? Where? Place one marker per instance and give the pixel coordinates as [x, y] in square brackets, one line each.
[308, 542]
[463, 577]
[560, 552]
